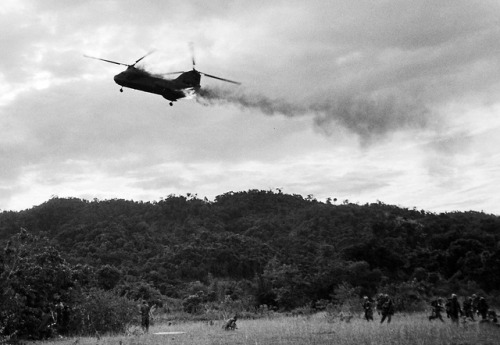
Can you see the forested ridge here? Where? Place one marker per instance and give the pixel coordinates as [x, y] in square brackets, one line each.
[277, 249]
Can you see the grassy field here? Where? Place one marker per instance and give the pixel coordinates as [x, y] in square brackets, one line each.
[316, 329]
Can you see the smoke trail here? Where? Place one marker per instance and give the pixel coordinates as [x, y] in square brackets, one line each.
[368, 118]
[213, 95]
[371, 118]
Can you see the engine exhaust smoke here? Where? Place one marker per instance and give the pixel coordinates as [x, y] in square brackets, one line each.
[369, 118]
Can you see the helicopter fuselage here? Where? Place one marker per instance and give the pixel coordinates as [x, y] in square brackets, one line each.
[170, 89]
[136, 78]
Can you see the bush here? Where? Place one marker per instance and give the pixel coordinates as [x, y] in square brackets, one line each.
[104, 312]
[346, 298]
[192, 304]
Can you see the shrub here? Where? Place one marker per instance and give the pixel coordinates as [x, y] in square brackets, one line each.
[104, 312]
[192, 304]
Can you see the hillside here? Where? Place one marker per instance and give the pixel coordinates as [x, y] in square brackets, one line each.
[275, 242]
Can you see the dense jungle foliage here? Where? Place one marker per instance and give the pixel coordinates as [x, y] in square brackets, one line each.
[256, 247]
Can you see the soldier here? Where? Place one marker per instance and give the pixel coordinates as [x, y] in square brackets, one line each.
[62, 318]
[437, 308]
[447, 307]
[65, 319]
[367, 307]
[468, 308]
[492, 320]
[59, 311]
[492, 316]
[387, 309]
[380, 302]
[231, 324]
[46, 327]
[454, 310]
[144, 309]
[482, 308]
[475, 303]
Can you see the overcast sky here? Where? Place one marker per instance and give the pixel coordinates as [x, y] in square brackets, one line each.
[396, 101]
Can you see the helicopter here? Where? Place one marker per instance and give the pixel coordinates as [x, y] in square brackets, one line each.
[186, 83]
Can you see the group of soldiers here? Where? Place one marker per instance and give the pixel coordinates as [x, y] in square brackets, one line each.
[384, 305]
[472, 305]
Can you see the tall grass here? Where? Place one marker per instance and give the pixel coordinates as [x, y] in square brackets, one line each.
[412, 329]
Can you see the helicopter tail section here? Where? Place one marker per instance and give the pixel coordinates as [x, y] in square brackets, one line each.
[189, 79]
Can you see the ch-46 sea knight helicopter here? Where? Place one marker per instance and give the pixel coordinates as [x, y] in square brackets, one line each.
[171, 89]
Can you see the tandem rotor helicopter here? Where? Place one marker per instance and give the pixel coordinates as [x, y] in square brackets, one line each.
[171, 89]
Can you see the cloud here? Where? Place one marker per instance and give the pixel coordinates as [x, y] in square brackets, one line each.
[316, 76]
[376, 69]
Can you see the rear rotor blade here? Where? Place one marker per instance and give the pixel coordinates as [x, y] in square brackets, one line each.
[191, 47]
[179, 72]
[96, 58]
[227, 80]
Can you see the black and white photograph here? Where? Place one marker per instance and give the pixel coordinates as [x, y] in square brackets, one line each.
[249, 172]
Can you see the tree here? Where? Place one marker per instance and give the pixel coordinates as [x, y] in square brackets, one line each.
[34, 278]
[140, 290]
[108, 277]
[287, 284]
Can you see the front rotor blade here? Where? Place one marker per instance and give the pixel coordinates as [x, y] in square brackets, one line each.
[227, 80]
[116, 63]
[151, 52]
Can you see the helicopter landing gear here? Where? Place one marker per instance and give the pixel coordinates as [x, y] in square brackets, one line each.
[121, 90]
[171, 103]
